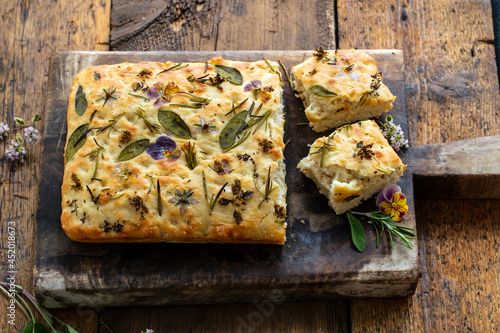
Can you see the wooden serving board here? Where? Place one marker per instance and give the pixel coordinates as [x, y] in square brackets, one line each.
[318, 260]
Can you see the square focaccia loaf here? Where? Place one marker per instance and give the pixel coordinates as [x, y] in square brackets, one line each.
[341, 87]
[176, 152]
[352, 164]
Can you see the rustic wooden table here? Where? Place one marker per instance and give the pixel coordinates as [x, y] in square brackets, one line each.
[451, 87]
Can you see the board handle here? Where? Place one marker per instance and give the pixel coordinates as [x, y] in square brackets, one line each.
[468, 169]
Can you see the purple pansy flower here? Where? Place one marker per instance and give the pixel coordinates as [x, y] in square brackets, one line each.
[163, 147]
[254, 84]
[387, 193]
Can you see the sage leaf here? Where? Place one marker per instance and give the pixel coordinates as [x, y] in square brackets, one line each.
[231, 74]
[75, 141]
[357, 232]
[80, 101]
[34, 326]
[319, 90]
[69, 329]
[132, 150]
[20, 121]
[232, 129]
[174, 123]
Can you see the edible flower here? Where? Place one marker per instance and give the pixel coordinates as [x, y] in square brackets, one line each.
[163, 95]
[182, 199]
[392, 202]
[205, 126]
[163, 147]
[394, 134]
[254, 84]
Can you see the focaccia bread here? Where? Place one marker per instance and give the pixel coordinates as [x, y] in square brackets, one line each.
[341, 87]
[166, 152]
[352, 164]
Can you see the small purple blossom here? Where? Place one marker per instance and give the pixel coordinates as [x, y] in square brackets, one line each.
[254, 84]
[394, 134]
[162, 94]
[16, 151]
[4, 131]
[163, 147]
[31, 134]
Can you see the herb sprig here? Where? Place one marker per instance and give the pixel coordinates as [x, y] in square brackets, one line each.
[380, 223]
[213, 199]
[154, 128]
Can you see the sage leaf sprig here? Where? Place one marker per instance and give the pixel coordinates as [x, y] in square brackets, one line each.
[18, 293]
[80, 101]
[174, 123]
[357, 232]
[76, 141]
[231, 74]
[321, 91]
[383, 222]
[133, 150]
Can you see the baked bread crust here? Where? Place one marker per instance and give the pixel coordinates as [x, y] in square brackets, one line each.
[352, 164]
[340, 87]
[109, 199]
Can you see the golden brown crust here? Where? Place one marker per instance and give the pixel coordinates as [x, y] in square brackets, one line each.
[350, 85]
[107, 200]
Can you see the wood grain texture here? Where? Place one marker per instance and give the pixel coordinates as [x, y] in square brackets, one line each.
[189, 25]
[31, 32]
[452, 91]
[467, 169]
[318, 261]
[274, 316]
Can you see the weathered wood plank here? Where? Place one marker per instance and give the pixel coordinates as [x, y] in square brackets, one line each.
[452, 90]
[468, 169]
[31, 32]
[190, 25]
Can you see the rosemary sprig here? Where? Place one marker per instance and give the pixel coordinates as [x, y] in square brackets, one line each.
[269, 65]
[107, 96]
[193, 105]
[236, 107]
[151, 184]
[190, 153]
[213, 199]
[268, 188]
[382, 222]
[325, 146]
[154, 128]
[160, 202]
[289, 78]
[95, 155]
[196, 98]
[111, 124]
[174, 67]
[139, 96]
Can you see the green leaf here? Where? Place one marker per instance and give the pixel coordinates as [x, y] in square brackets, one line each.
[69, 329]
[174, 123]
[34, 326]
[319, 90]
[357, 232]
[73, 144]
[20, 121]
[80, 101]
[132, 150]
[232, 129]
[231, 74]
[36, 118]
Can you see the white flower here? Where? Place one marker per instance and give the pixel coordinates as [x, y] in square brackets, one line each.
[4, 130]
[15, 151]
[31, 134]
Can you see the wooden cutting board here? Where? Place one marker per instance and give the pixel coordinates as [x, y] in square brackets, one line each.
[318, 260]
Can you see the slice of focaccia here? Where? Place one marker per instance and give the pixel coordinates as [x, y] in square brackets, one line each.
[176, 152]
[352, 164]
[340, 87]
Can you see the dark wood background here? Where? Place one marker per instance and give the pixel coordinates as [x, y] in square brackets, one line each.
[451, 86]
